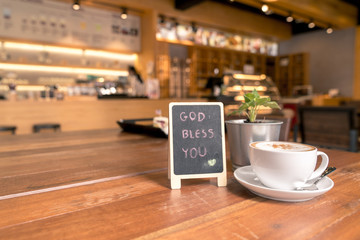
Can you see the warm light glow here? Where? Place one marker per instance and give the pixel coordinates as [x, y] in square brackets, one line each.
[70, 70]
[250, 77]
[124, 14]
[329, 30]
[259, 88]
[37, 47]
[29, 88]
[119, 56]
[76, 5]
[239, 98]
[23, 46]
[289, 19]
[264, 8]
[65, 50]
[236, 88]
[311, 25]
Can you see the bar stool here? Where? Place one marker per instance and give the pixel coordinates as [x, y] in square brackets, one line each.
[11, 129]
[39, 126]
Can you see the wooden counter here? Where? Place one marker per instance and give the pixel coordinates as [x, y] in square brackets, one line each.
[80, 114]
[105, 184]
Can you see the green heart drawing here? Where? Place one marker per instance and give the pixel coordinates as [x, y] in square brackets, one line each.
[212, 162]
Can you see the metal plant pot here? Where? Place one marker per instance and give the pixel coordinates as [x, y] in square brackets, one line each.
[241, 133]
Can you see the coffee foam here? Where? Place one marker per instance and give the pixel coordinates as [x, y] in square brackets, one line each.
[283, 146]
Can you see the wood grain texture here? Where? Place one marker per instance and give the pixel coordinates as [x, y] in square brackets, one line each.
[48, 160]
[132, 198]
[80, 115]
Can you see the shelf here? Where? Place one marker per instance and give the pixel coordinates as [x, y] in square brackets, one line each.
[61, 69]
[206, 59]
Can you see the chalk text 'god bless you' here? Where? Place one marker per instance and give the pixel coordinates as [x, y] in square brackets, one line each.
[195, 152]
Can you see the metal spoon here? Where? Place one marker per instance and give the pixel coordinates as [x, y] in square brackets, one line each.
[313, 185]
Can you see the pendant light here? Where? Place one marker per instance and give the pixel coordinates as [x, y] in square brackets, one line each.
[329, 30]
[289, 18]
[76, 5]
[311, 24]
[264, 8]
[124, 14]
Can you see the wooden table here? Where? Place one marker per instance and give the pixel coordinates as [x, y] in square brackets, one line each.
[106, 184]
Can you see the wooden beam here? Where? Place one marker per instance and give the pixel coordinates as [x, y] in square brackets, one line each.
[185, 4]
[330, 12]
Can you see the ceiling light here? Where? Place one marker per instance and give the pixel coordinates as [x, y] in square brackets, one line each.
[311, 24]
[264, 8]
[290, 18]
[76, 5]
[329, 30]
[124, 14]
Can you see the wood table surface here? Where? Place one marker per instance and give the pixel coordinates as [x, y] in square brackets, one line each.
[106, 184]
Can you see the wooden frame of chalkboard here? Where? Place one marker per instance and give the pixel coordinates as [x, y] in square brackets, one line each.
[197, 142]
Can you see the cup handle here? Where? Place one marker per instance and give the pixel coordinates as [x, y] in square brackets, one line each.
[322, 167]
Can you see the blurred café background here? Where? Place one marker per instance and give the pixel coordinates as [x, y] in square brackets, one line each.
[65, 64]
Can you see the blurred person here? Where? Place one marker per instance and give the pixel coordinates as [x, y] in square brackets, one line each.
[136, 83]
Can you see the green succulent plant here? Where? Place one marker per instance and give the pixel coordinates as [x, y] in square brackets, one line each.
[252, 104]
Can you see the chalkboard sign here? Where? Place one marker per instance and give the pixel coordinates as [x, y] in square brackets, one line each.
[197, 143]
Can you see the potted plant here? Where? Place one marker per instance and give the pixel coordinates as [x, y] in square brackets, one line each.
[241, 132]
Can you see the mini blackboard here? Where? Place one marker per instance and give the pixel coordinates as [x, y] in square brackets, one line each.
[197, 142]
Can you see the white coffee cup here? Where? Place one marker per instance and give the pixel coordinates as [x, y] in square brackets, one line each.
[285, 165]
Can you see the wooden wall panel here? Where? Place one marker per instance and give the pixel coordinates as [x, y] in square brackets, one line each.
[356, 84]
[79, 115]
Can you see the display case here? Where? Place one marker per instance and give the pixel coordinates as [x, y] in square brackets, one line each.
[236, 85]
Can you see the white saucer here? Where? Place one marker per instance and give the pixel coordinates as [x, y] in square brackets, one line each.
[248, 179]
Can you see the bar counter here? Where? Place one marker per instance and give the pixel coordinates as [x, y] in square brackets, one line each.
[82, 113]
[108, 184]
